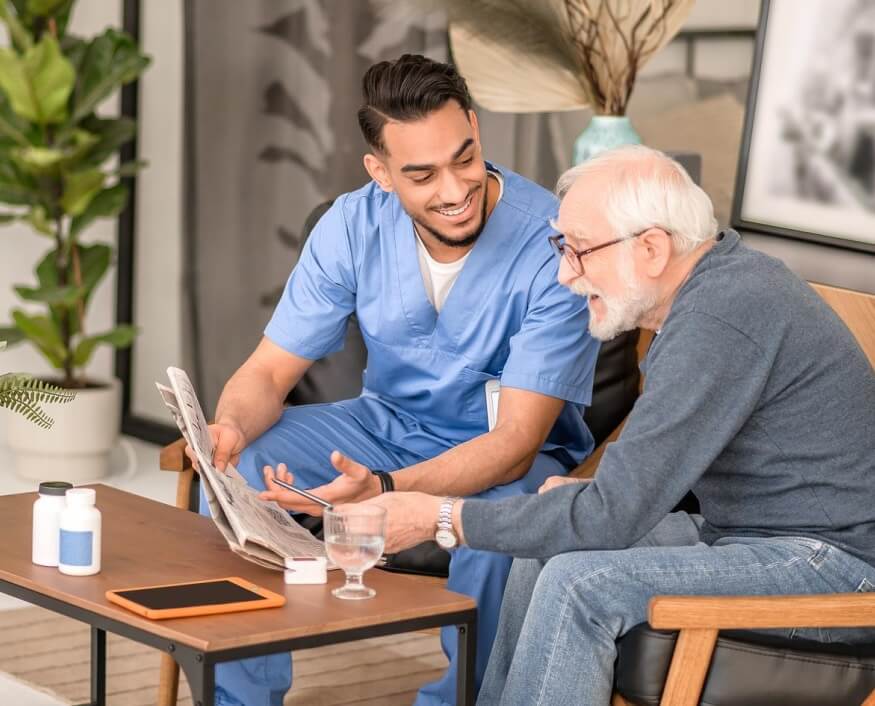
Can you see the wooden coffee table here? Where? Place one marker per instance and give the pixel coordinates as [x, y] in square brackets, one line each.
[146, 542]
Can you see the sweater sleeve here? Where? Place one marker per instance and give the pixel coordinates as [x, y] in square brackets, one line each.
[704, 380]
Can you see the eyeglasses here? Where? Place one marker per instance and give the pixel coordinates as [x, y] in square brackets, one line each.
[575, 258]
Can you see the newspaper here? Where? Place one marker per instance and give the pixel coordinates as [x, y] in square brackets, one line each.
[257, 530]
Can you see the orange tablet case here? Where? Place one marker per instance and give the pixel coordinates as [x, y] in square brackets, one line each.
[269, 600]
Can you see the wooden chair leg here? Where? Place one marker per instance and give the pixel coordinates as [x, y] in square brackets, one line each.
[689, 667]
[870, 700]
[168, 682]
[183, 488]
[168, 679]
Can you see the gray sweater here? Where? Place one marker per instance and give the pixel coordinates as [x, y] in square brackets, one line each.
[756, 397]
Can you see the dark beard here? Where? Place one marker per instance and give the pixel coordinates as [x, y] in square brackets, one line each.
[465, 242]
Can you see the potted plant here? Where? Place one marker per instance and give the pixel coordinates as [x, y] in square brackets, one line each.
[552, 55]
[58, 174]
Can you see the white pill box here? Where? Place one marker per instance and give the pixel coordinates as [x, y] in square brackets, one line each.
[301, 569]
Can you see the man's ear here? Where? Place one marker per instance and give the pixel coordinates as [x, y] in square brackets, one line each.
[475, 126]
[656, 249]
[378, 171]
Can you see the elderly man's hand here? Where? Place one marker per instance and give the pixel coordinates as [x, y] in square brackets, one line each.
[556, 481]
[411, 518]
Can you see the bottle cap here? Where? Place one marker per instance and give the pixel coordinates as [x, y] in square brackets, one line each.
[54, 487]
[81, 496]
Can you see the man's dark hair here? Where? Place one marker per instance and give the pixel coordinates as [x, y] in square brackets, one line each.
[407, 89]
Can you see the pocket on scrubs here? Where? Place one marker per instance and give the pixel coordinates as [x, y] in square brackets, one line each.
[474, 398]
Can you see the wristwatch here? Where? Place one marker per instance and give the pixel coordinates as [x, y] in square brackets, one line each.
[444, 536]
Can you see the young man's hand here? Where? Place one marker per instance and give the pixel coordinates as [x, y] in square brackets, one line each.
[556, 481]
[228, 443]
[354, 484]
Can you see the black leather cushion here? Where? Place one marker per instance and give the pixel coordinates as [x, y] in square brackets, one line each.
[750, 669]
[615, 387]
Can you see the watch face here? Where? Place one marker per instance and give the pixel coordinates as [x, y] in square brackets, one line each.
[445, 538]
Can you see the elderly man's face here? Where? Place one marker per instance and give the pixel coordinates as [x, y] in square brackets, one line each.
[617, 297]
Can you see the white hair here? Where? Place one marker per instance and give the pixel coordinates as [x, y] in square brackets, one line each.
[646, 189]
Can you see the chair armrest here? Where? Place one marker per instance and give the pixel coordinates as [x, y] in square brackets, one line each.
[173, 458]
[760, 612]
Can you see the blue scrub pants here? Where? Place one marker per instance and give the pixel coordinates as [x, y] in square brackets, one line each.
[303, 439]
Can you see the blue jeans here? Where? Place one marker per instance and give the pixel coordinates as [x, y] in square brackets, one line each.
[303, 439]
[561, 618]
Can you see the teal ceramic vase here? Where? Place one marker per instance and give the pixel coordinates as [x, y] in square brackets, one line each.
[604, 132]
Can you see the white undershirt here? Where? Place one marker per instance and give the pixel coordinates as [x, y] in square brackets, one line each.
[439, 277]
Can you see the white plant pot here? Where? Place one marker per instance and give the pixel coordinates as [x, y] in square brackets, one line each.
[77, 447]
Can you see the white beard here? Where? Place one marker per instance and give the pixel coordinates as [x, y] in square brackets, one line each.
[621, 313]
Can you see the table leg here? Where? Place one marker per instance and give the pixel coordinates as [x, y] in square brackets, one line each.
[465, 657]
[98, 667]
[201, 676]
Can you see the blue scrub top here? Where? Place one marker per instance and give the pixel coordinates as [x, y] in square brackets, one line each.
[506, 317]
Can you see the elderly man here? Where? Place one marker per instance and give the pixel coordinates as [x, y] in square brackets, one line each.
[757, 398]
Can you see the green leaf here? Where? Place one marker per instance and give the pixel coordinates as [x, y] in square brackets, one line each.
[47, 275]
[130, 168]
[41, 331]
[11, 125]
[94, 261]
[75, 146]
[44, 7]
[37, 160]
[15, 191]
[74, 48]
[119, 337]
[39, 83]
[24, 394]
[79, 189]
[55, 296]
[107, 204]
[110, 133]
[10, 335]
[112, 60]
[38, 218]
[21, 39]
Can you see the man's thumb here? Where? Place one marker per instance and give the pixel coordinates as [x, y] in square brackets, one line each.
[348, 467]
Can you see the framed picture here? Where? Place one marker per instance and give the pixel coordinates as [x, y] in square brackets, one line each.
[807, 163]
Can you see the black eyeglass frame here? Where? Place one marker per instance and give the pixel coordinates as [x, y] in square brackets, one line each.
[563, 249]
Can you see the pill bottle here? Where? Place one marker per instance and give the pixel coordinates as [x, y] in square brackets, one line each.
[79, 539]
[46, 515]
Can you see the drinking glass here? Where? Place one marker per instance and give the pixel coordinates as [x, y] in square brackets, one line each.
[354, 540]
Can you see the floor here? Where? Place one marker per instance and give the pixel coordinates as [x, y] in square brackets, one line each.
[135, 469]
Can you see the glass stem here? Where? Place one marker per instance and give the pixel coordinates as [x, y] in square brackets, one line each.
[354, 581]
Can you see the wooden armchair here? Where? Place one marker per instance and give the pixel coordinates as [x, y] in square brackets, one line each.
[700, 619]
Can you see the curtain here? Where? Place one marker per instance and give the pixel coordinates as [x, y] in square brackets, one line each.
[272, 90]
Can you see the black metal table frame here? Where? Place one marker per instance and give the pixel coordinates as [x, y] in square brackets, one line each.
[199, 666]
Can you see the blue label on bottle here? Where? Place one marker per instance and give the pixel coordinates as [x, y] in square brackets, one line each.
[75, 548]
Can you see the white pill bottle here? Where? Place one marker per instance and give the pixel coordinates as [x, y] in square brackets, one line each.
[46, 516]
[79, 540]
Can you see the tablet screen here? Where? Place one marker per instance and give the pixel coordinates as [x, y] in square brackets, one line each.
[190, 595]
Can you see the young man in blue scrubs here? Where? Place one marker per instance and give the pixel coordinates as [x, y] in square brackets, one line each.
[444, 260]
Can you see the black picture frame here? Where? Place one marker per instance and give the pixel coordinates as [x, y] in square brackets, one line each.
[739, 220]
[131, 423]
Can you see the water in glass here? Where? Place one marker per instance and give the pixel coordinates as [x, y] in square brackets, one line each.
[354, 540]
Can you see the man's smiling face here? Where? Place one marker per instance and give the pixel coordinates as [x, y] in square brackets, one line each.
[436, 168]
